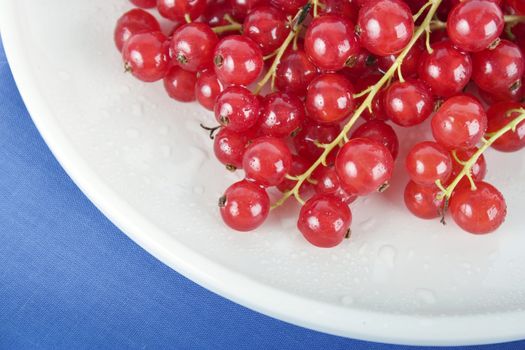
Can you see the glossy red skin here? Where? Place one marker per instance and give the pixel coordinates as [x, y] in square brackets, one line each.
[478, 170]
[295, 72]
[145, 4]
[519, 35]
[428, 162]
[363, 166]
[329, 98]
[422, 200]
[281, 114]
[473, 25]
[363, 63]
[134, 22]
[180, 84]
[176, 9]
[380, 132]
[497, 115]
[246, 206]
[207, 88]
[229, 147]
[311, 132]
[509, 95]
[459, 123]
[478, 211]
[408, 103]
[324, 221]
[386, 26]
[446, 70]
[241, 60]
[344, 8]
[410, 63]
[267, 27]
[497, 70]
[517, 5]
[146, 55]
[298, 167]
[192, 45]
[327, 182]
[215, 12]
[240, 8]
[266, 161]
[290, 7]
[237, 108]
[330, 42]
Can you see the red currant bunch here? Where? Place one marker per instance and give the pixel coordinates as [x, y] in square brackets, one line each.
[287, 83]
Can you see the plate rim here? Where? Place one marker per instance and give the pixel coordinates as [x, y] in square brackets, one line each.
[271, 301]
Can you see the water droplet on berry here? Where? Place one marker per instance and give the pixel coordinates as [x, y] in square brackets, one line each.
[387, 254]
[347, 300]
[425, 296]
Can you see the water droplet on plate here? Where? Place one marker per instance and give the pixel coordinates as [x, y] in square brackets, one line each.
[387, 254]
[198, 190]
[165, 151]
[64, 75]
[425, 296]
[132, 133]
[137, 109]
[347, 300]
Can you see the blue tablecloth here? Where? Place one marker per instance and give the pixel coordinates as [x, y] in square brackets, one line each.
[70, 279]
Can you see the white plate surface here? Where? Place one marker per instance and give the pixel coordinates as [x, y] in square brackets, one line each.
[143, 160]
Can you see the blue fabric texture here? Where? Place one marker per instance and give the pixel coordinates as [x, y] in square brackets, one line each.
[69, 279]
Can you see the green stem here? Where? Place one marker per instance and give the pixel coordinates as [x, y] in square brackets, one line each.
[447, 192]
[342, 137]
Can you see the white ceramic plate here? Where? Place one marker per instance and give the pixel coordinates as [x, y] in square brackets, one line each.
[143, 160]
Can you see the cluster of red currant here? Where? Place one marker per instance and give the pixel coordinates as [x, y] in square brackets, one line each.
[329, 63]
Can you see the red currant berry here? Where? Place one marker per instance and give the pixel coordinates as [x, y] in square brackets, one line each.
[207, 88]
[177, 9]
[499, 116]
[215, 13]
[422, 201]
[266, 26]
[244, 206]
[310, 134]
[428, 162]
[281, 114]
[410, 63]
[295, 72]
[500, 69]
[240, 8]
[478, 211]
[237, 108]
[386, 26]
[266, 161]
[344, 8]
[299, 166]
[517, 5]
[238, 60]
[446, 70]
[459, 123]
[362, 64]
[364, 166]
[380, 132]
[408, 103]
[329, 98]
[478, 170]
[324, 221]
[473, 25]
[516, 94]
[327, 182]
[180, 84]
[192, 46]
[134, 22]
[145, 4]
[290, 7]
[331, 42]
[146, 56]
[229, 147]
